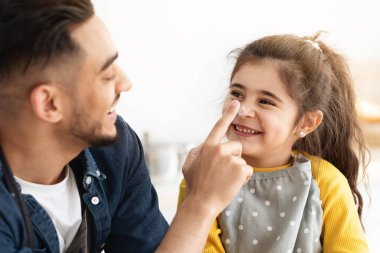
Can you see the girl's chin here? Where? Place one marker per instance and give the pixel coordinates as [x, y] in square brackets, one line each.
[248, 153]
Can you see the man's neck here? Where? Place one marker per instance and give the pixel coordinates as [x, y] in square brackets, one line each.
[36, 160]
[38, 165]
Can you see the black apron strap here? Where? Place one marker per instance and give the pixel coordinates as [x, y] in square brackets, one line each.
[84, 237]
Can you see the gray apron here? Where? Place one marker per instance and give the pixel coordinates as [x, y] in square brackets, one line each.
[276, 211]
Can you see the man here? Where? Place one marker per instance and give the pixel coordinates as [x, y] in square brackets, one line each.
[79, 167]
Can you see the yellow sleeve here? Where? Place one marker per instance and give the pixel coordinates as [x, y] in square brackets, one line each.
[341, 231]
[213, 243]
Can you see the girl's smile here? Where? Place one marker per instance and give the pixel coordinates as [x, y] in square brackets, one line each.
[245, 131]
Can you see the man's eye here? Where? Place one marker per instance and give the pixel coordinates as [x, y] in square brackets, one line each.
[109, 79]
[266, 102]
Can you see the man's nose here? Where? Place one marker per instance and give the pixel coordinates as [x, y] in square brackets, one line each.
[123, 83]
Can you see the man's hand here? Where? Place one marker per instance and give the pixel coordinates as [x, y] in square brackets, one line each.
[214, 172]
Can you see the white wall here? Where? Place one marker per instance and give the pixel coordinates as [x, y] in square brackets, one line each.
[175, 51]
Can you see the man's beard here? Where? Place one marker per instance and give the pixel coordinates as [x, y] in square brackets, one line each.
[89, 131]
[93, 139]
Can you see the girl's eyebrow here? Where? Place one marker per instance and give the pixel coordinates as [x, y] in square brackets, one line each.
[271, 95]
[264, 92]
[237, 85]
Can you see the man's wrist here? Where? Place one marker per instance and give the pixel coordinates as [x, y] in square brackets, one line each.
[200, 207]
[189, 229]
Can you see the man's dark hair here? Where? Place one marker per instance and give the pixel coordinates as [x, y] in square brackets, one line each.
[36, 32]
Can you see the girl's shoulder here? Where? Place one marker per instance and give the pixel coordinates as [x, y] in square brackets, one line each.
[326, 175]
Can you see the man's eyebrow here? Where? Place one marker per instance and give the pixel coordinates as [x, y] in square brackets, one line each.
[109, 61]
[271, 95]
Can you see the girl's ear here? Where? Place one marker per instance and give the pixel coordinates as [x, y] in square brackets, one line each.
[46, 103]
[309, 122]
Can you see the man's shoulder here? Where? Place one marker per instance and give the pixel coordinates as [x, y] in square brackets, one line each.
[124, 130]
[9, 211]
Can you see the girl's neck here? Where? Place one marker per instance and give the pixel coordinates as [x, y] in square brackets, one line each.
[268, 161]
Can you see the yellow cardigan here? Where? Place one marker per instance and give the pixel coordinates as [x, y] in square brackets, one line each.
[341, 230]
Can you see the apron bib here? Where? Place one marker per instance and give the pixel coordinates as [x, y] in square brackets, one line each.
[274, 212]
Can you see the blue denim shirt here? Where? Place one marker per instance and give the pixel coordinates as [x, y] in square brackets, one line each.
[115, 187]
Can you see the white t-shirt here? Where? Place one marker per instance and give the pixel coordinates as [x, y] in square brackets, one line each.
[62, 202]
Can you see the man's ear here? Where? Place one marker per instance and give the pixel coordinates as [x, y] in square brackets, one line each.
[309, 122]
[46, 103]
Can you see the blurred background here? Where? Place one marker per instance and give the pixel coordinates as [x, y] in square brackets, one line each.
[176, 54]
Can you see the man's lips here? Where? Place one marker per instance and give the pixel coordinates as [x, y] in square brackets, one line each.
[244, 129]
[112, 109]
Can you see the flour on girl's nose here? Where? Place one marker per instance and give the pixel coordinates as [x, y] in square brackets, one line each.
[242, 111]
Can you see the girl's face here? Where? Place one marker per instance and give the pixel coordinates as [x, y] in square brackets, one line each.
[266, 123]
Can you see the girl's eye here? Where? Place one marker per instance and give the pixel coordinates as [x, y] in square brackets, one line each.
[236, 94]
[266, 102]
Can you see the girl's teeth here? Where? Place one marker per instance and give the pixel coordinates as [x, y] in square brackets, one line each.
[248, 131]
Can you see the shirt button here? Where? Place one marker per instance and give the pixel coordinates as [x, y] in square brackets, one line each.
[88, 180]
[95, 200]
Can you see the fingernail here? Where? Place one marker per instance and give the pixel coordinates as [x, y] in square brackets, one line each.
[224, 140]
[235, 103]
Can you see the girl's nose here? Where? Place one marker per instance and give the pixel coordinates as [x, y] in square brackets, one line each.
[244, 111]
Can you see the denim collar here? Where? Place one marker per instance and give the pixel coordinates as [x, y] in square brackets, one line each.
[89, 169]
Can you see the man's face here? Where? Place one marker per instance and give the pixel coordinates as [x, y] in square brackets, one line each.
[97, 90]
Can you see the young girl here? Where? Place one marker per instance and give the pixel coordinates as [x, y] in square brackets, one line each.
[299, 131]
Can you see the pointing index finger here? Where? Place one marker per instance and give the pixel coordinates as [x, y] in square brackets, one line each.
[220, 128]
